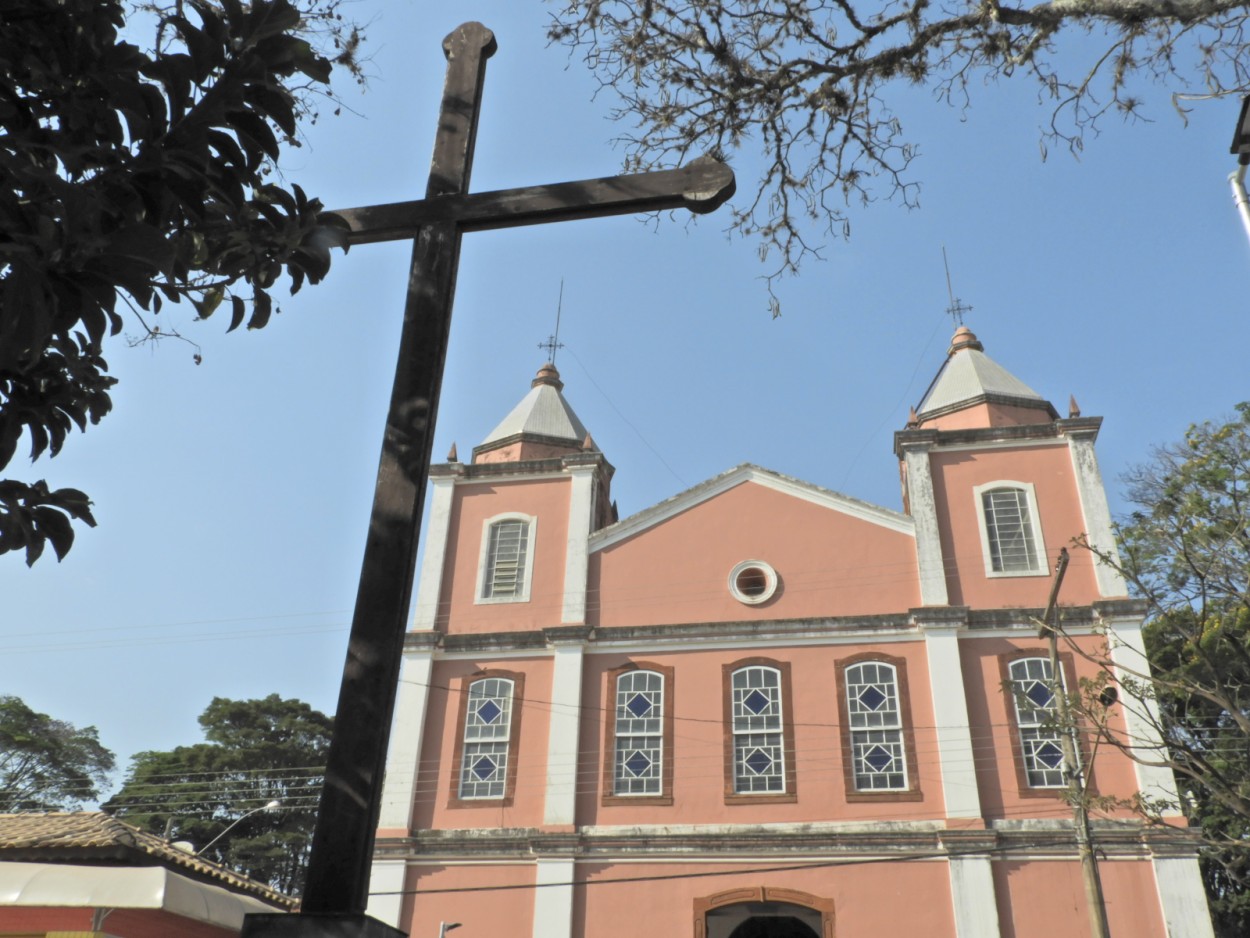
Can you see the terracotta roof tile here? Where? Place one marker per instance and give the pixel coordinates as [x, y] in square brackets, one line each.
[80, 834]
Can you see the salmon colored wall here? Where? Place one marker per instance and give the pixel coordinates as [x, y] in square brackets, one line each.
[1045, 898]
[995, 745]
[699, 733]
[870, 899]
[436, 786]
[472, 504]
[829, 564]
[122, 923]
[507, 912]
[1049, 469]
[988, 415]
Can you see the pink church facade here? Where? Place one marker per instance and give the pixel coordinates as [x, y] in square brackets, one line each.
[763, 708]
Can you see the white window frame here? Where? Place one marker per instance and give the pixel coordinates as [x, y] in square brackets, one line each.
[625, 740]
[1034, 733]
[765, 731]
[491, 740]
[1035, 528]
[869, 728]
[483, 563]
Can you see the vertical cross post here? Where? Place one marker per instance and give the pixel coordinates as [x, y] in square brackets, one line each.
[342, 847]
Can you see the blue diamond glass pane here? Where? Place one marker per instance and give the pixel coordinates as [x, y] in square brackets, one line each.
[638, 705]
[872, 698]
[758, 761]
[878, 758]
[637, 764]
[1049, 755]
[1040, 694]
[755, 702]
[484, 768]
[489, 712]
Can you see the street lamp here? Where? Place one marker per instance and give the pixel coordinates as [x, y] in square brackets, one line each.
[271, 806]
[445, 927]
[1241, 149]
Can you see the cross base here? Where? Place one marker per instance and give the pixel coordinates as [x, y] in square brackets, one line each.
[316, 925]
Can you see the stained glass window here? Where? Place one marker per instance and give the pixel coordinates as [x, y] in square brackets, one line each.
[1009, 531]
[639, 757]
[876, 727]
[1033, 689]
[505, 560]
[487, 731]
[759, 755]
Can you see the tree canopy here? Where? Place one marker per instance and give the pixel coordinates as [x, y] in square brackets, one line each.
[1185, 549]
[256, 752]
[133, 179]
[47, 764]
[813, 84]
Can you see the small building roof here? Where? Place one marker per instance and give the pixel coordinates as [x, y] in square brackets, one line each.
[542, 412]
[95, 837]
[969, 376]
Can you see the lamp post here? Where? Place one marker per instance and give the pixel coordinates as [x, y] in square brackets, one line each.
[1241, 149]
[445, 927]
[271, 806]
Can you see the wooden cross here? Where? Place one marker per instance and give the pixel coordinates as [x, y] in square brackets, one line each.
[342, 848]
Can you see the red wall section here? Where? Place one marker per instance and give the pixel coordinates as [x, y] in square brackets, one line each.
[1045, 898]
[1049, 469]
[829, 563]
[548, 499]
[435, 785]
[505, 912]
[699, 741]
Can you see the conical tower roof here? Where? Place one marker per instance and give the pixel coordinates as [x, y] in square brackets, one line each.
[541, 425]
[972, 390]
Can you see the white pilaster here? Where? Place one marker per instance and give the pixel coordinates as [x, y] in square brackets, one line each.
[553, 900]
[577, 557]
[1141, 717]
[1184, 901]
[403, 756]
[386, 887]
[972, 893]
[430, 584]
[1097, 513]
[562, 735]
[950, 717]
[923, 505]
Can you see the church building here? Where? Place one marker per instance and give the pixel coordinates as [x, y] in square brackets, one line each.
[764, 709]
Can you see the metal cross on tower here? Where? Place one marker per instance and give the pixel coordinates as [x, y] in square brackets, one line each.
[336, 892]
[553, 343]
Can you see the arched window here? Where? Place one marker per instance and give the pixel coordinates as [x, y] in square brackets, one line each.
[507, 559]
[1033, 692]
[875, 724]
[487, 738]
[638, 758]
[1010, 533]
[759, 759]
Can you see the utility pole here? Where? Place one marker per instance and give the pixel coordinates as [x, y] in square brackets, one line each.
[1071, 767]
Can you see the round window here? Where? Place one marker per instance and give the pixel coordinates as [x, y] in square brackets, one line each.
[752, 582]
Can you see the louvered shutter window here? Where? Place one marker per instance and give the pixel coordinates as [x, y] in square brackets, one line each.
[505, 558]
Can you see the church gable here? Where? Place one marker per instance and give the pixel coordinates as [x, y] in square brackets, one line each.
[752, 544]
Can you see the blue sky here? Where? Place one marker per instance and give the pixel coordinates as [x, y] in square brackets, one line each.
[233, 496]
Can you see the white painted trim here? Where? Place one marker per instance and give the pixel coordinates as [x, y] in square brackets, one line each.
[1035, 523]
[1128, 650]
[1097, 514]
[531, 548]
[956, 757]
[403, 755]
[930, 567]
[562, 734]
[577, 554]
[386, 891]
[1182, 899]
[741, 475]
[553, 904]
[972, 895]
[430, 584]
[770, 582]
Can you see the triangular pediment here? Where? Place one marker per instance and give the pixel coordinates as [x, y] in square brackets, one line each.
[748, 474]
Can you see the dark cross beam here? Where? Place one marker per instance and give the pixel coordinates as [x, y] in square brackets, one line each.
[342, 848]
